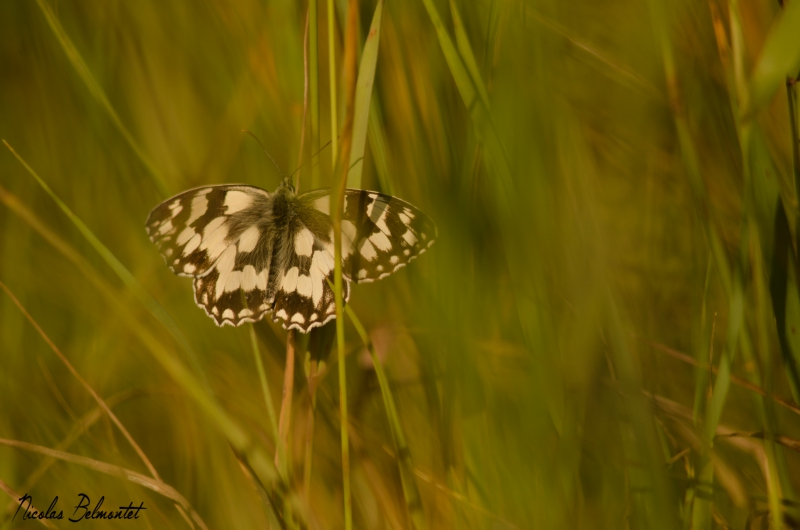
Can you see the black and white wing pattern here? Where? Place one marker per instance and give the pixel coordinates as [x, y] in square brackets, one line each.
[380, 233]
[303, 297]
[252, 253]
[222, 236]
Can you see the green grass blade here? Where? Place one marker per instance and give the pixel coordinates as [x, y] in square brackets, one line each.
[410, 490]
[466, 87]
[124, 274]
[466, 54]
[313, 89]
[273, 423]
[378, 147]
[497, 160]
[336, 207]
[780, 57]
[237, 437]
[366, 78]
[334, 102]
[641, 443]
[100, 401]
[97, 92]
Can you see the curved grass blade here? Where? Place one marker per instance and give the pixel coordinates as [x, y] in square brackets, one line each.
[268, 401]
[264, 384]
[81, 426]
[124, 274]
[18, 499]
[780, 57]
[83, 383]
[466, 53]
[237, 437]
[410, 490]
[471, 90]
[366, 78]
[94, 88]
[466, 86]
[109, 469]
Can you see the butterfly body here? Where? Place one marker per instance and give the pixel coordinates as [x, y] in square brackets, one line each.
[253, 253]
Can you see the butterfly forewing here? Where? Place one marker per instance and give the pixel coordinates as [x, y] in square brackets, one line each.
[380, 233]
[193, 229]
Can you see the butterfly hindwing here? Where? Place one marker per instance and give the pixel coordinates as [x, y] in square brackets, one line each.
[237, 288]
[303, 297]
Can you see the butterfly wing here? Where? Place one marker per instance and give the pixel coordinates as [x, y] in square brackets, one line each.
[303, 297]
[223, 237]
[251, 253]
[380, 233]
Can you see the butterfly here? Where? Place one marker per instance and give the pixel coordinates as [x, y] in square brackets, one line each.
[252, 253]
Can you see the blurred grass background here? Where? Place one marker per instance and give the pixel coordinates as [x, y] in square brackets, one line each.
[618, 214]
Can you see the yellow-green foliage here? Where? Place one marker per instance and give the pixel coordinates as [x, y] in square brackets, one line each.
[614, 185]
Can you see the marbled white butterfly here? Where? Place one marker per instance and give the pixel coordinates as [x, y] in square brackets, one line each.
[252, 253]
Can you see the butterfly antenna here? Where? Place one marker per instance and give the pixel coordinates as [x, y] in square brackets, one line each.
[310, 159]
[285, 179]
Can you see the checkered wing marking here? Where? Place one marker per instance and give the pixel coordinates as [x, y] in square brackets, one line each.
[303, 297]
[380, 233]
[222, 236]
[194, 228]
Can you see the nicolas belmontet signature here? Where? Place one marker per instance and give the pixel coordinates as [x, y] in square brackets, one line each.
[83, 510]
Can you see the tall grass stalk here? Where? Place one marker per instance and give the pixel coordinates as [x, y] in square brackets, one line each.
[334, 101]
[363, 96]
[336, 207]
[313, 80]
[273, 423]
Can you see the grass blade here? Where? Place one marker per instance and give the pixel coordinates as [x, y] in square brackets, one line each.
[780, 57]
[313, 82]
[83, 383]
[466, 86]
[18, 499]
[366, 78]
[94, 88]
[466, 54]
[377, 144]
[237, 437]
[110, 469]
[406, 464]
[262, 376]
[336, 207]
[332, 82]
[124, 274]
